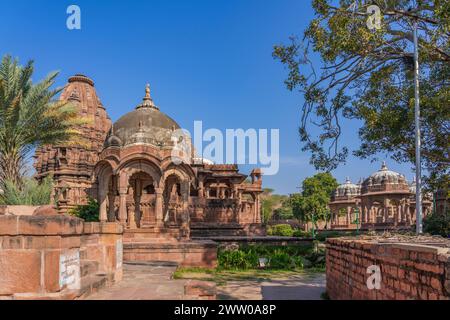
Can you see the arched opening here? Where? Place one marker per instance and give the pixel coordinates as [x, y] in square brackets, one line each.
[141, 200]
[173, 200]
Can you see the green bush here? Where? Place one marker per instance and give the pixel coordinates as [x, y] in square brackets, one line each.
[30, 193]
[278, 257]
[237, 260]
[302, 234]
[437, 224]
[283, 230]
[89, 212]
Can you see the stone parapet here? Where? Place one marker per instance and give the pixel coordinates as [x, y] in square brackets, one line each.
[187, 254]
[408, 270]
[45, 257]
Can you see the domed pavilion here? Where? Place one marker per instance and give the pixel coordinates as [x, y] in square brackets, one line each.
[128, 167]
[384, 200]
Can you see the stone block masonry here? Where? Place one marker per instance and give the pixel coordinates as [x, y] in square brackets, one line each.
[413, 270]
[57, 256]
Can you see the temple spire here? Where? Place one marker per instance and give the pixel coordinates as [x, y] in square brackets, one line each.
[147, 101]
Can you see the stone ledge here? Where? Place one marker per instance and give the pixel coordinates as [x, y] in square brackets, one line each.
[418, 248]
[40, 225]
[168, 245]
[102, 227]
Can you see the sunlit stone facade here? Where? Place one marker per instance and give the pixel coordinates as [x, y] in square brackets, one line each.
[127, 166]
[384, 200]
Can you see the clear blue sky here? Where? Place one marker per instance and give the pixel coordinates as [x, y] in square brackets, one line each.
[205, 60]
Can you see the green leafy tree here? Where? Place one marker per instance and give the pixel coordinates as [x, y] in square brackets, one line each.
[312, 204]
[284, 212]
[272, 204]
[29, 118]
[438, 224]
[367, 75]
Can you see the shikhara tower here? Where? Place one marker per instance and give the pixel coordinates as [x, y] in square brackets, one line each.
[72, 164]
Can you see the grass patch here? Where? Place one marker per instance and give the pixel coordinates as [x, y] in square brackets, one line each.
[293, 257]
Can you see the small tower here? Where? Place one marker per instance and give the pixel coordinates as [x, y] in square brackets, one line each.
[72, 164]
[256, 176]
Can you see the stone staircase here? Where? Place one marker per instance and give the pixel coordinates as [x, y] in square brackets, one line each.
[92, 279]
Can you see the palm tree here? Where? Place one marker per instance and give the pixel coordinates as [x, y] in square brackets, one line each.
[30, 117]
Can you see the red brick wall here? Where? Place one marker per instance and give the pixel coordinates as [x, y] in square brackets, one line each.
[408, 271]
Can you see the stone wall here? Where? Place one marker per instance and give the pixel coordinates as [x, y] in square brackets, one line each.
[17, 210]
[185, 253]
[50, 257]
[419, 271]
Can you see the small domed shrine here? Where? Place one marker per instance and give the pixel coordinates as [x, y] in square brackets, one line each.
[343, 202]
[127, 166]
[384, 200]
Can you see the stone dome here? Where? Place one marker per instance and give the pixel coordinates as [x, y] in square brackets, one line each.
[347, 189]
[385, 176]
[144, 125]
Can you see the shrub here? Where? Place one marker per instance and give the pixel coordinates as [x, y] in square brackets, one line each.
[89, 212]
[283, 230]
[437, 224]
[302, 234]
[30, 193]
[237, 259]
[279, 257]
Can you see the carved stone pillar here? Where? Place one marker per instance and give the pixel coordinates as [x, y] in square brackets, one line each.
[201, 189]
[123, 191]
[257, 209]
[159, 206]
[185, 217]
[402, 213]
[102, 203]
[111, 200]
[131, 217]
[349, 211]
[137, 201]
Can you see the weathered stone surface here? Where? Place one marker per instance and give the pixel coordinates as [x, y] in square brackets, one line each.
[51, 270]
[201, 289]
[45, 211]
[30, 251]
[20, 271]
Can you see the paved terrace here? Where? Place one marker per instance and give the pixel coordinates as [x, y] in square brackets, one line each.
[151, 281]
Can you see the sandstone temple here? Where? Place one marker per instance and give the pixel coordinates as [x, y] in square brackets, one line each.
[384, 200]
[127, 167]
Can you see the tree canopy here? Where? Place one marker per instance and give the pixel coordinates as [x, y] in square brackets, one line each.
[367, 75]
[275, 205]
[311, 205]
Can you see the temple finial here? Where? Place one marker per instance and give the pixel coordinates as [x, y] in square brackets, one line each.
[384, 166]
[147, 91]
[147, 101]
